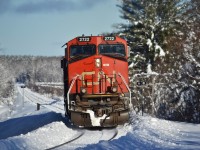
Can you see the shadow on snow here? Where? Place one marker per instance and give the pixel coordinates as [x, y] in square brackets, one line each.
[23, 125]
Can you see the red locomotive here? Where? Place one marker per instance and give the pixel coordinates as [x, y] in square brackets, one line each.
[96, 92]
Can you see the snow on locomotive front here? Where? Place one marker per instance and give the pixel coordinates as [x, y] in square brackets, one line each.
[96, 91]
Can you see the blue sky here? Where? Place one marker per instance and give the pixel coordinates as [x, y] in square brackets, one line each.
[41, 27]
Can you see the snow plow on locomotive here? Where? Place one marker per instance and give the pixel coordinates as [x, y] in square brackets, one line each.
[96, 91]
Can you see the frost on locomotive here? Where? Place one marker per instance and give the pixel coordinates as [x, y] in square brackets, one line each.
[96, 91]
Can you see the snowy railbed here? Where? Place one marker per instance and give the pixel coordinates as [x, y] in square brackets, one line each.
[55, 105]
[4, 111]
[152, 133]
[42, 138]
[27, 128]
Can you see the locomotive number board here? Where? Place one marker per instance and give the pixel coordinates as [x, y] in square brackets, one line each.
[109, 38]
[84, 39]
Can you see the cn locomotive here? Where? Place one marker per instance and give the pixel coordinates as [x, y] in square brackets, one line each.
[96, 84]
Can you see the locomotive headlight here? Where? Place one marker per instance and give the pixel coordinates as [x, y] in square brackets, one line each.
[114, 89]
[98, 62]
[83, 90]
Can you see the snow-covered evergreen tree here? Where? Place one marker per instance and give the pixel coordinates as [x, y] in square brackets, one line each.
[152, 28]
[164, 37]
[190, 68]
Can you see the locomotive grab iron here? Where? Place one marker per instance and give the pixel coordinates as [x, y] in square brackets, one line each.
[96, 91]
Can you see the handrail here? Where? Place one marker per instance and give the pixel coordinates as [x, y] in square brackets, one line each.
[70, 88]
[131, 105]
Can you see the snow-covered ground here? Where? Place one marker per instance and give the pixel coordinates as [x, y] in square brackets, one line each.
[26, 128]
[151, 133]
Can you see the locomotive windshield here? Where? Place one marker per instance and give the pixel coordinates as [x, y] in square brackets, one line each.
[82, 51]
[115, 50]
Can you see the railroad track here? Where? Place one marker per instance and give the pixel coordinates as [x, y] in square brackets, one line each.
[108, 134]
[51, 104]
[84, 136]
[114, 135]
[68, 142]
[81, 139]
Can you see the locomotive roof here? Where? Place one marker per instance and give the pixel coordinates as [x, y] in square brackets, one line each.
[96, 39]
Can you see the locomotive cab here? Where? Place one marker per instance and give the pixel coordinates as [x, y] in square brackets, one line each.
[95, 75]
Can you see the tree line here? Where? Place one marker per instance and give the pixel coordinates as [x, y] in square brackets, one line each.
[27, 69]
